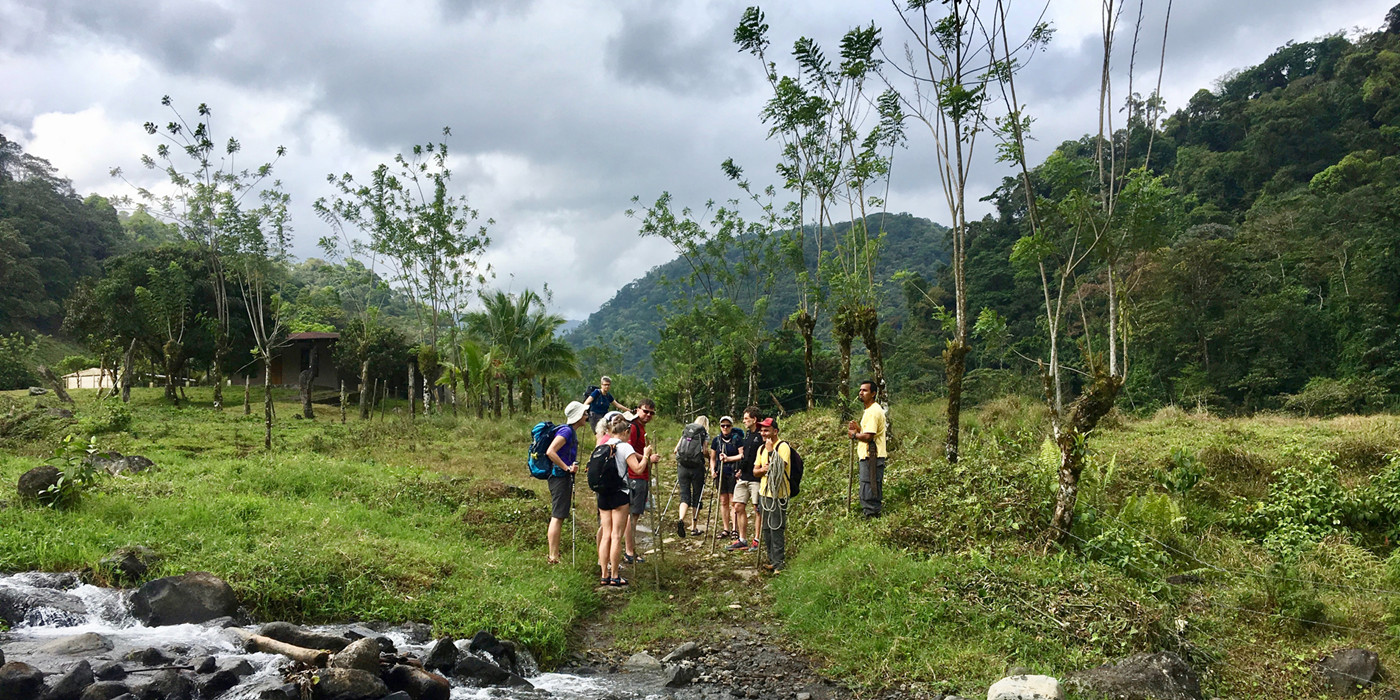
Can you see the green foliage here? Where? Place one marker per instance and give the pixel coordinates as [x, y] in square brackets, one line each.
[1181, 473]
[76, 473]
[1323, 396]
[1306, 502]
[109, 415]
[73, 363]
[16, 358]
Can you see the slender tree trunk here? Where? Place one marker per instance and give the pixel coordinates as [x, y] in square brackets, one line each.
[1071, 434]
[869, 324]
[955, 367]
[171, 351]
[808, 326]
[843, 380]
[480, 400]
[412, 400]
[304, 381]
[127, 360]
[220, 348]
[267, 402]
[427, 397]
[510, 395]
[1112, 320]
[56, 383]
[343, 399]
[366, 403]
[496, 404]
[527, 394]
[247, 395]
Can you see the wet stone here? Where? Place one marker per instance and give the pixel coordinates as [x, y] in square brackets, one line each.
[105, 690]
[20, 680]
[70, 685]
[86, 643]
[206, 665]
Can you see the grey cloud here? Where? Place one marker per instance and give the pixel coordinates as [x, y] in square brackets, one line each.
[656, 50]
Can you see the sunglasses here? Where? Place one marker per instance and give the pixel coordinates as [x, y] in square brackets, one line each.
[645, 412]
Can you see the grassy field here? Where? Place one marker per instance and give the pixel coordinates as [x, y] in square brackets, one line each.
[1249, 546]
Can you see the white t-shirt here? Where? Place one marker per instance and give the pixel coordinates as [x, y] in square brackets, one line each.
[624, 451]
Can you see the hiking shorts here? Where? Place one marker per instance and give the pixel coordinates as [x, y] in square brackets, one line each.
[640, 490]
[612, 500]
[746, 492]
[726, 484]
[560, 495]
[692, 483]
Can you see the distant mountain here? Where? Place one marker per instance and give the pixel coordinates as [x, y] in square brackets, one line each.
[629, 323]
[569, 325]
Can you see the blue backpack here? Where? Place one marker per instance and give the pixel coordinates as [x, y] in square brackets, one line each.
[540, 437]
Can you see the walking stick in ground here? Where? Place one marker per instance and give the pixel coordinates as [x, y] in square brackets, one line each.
[716, 518]
[851, 478]
[573, 524]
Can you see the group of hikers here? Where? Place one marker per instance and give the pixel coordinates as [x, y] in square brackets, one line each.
[753, 468]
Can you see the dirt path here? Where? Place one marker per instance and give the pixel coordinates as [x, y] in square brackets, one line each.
[742, 652]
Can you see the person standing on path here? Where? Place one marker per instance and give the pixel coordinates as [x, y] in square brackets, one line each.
[614, 503]
[727, 449]
[639, 476]
[563, 453]
[600, 401]
[692, 453]
[746, 485]
[870, 431]
[772, 465]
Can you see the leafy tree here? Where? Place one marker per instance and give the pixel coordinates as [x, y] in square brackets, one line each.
[16, 362]
[208, 204]
[165, 303]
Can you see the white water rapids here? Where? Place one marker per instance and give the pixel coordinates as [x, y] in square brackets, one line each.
[105, 612]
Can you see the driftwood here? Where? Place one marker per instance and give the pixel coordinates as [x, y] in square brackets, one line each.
[257, 642]
[55, 383]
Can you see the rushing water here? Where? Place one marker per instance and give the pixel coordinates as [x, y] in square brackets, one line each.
[105, 612]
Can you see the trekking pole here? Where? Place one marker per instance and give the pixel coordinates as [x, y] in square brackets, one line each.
[573, 524]
[716, 518]
[851, 478]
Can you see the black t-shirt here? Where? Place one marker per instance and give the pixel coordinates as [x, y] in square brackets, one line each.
[728, 446]
[752, 442]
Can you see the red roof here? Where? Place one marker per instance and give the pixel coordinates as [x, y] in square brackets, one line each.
[314, 335]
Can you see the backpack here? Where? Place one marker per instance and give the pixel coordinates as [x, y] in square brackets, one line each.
[794, 472]
[691, 452]
[591, 388]
[540, 437]
[602, 469]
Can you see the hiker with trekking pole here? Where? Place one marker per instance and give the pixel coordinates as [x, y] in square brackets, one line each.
[727, 449]
[779, 467]
[746, 485]
[869, 436]
[639, 476]
[608, 468]
[692, 453]
[562, 456]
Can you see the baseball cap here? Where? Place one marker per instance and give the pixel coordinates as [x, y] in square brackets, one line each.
[726, 419]
[769, 423]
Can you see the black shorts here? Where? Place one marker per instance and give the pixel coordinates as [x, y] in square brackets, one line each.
[560, 496]
[692, 484]
[726, 484]
[612, 500]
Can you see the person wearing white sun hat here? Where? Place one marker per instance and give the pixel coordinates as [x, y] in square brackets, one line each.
[563, 455]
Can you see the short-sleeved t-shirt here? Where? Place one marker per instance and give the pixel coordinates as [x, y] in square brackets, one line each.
[624, 451]
[872, 421]
[601, 402]
[764, 454]
[637, 438]
[752, 442]
[727, 446]
[569, 452]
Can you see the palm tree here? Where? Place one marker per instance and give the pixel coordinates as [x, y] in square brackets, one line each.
[520, 334]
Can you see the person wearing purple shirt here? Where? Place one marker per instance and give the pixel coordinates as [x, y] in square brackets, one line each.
[563, 453]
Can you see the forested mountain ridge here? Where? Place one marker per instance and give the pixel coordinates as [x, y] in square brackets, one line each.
[630, 322]
[1273, 271]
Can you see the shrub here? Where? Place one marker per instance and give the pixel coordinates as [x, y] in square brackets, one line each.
[16, 356]
[1323, 396]
[1306, 502]
[77, 473]
[109, 416]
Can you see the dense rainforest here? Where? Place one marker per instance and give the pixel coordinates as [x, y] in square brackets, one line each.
[1262, 269]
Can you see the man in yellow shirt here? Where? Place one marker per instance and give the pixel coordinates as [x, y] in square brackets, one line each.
[773, 465]
[868, 433]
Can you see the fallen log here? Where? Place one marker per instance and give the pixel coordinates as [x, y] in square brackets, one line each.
[257, 642]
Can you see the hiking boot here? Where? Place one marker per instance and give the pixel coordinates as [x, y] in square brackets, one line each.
[680, 528]
[737, 546]
[754, 544]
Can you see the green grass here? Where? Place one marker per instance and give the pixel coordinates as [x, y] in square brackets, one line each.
[401, 520]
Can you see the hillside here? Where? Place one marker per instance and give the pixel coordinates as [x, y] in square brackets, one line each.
[630, 321]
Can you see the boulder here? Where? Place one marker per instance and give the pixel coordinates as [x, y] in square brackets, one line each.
[37, 391]
[1159, 676]
[218, 683]
[151, 656]
[641, 662]
[109, 671]
[86, 643]
[195, 597]
[71, 684]
[1347, 671]
[679, 675]
[349, 684]
[129, 564]
[362, 654]
[417, 683]
[61, 581]
[292, 634]
[20, 680]
[115, 463]
[40, 606]
[442, 656]
[1025, 688]
[502, 652]
[207, 664]
[689, 650]
[286, 691]
[236, 665]
[105, 690]
[480, 672]
[172, 685]
[37, 480]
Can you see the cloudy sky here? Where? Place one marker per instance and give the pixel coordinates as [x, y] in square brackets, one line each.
[560, 111]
